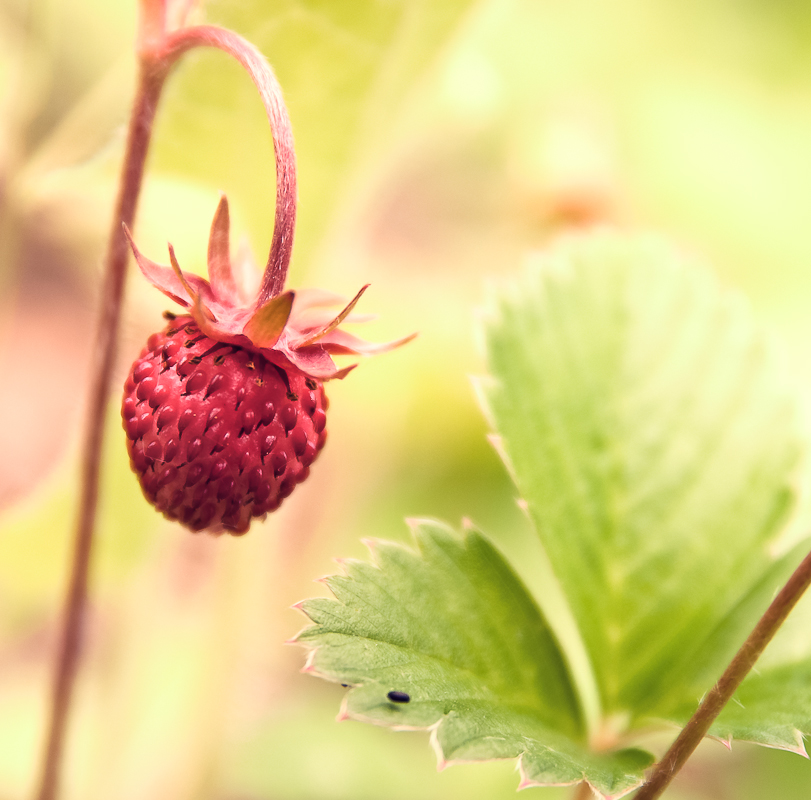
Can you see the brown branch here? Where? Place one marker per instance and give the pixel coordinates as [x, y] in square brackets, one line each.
[150, 82]
[712, 705]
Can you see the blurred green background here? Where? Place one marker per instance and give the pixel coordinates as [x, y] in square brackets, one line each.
[437, 141]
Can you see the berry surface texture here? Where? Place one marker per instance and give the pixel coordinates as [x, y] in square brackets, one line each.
[218, 434]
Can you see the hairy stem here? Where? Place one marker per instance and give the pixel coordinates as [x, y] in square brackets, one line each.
[270, 92]
[695, 730]
[150, 82]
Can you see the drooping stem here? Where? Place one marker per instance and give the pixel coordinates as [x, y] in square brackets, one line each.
[256, 65]
[695, 730]
[150, 82]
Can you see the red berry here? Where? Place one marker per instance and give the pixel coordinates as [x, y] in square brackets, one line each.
[225, 409]
[218, 434]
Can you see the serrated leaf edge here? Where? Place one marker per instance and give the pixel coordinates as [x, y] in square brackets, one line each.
[443, 763]
[433, 730]
[799, 737]
[528, 783]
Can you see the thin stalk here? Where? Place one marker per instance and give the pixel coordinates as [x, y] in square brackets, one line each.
[150, 82]
[695, 730]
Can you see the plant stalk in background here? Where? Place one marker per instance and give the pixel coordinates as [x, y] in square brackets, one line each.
[150, 82]
[159, 47]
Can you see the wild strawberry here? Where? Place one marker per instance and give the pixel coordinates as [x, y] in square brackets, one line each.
[225, 409]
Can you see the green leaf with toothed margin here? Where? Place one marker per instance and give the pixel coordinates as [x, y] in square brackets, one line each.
[773, 705]
[656, 445]
[452, 627]
[771, 708]
[651, 432]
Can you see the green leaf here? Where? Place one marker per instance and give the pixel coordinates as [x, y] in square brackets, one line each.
[771, 708]
[773, 705]
[647, 425]
[453, 627]
[652, 436]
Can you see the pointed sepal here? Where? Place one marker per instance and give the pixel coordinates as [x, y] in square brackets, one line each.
[343, 343]
[266, 326]
[162, 278]
[220, 273]
[294, 329]
[334, 323]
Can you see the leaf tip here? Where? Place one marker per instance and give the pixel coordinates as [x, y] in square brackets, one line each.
[343, 713]
[497, 443]
[799, 747]
[523, 780]
[415, 523]
[441, 762]
[309, 664]
[370, 544]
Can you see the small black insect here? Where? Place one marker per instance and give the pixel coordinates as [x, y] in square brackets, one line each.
[399, 697]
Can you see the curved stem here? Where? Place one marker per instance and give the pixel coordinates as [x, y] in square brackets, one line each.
[150, 82]
[695, 730]
[254, 62]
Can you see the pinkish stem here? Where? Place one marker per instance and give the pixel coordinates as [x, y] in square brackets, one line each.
[150, 82]
[255, 64]
[712, 705]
